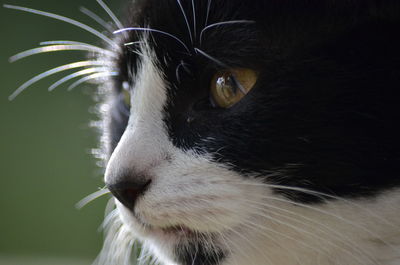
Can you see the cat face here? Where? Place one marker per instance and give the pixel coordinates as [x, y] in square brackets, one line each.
[240, 116]
[261, 132]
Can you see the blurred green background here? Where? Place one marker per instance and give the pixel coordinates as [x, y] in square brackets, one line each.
[45, 165]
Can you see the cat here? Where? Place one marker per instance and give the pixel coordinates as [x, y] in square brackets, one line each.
[257, 132]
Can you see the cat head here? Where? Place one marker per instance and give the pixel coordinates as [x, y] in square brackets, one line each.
[261, 132]
[226, 110]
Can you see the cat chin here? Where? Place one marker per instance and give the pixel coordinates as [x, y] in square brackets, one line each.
[309, 244]
[174, 245]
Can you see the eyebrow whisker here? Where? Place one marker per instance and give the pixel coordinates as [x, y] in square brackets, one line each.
[208, 12]
[186, 20]
[211, 58]
[156, 31]
[194, 20]
[223, 23]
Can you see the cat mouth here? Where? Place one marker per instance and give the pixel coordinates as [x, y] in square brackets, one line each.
[176, 232]
[180, 231]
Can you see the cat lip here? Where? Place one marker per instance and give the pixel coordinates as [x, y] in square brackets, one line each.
[176, 231]
[173, 230]
[179, 230]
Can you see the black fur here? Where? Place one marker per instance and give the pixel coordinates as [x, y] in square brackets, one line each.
[196, 254]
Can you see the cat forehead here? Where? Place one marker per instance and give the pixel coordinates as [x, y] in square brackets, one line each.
[237, 30]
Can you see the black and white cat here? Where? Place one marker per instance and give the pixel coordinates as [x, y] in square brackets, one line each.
[251, 132]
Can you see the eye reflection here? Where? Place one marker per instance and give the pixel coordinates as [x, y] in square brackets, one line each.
[229, 86]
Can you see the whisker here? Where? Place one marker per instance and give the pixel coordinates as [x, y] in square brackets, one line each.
[211, 58]
[309, 222]
[54, 71]
[301, 230]
[186, 20]
[222, 24]
[208, 12]
[135, 51]
[96, 18]
[274, 240]
[67, 42]
[110, 206]
[91, 77]
[133, 43]
[252, 245]
[65, 19]
[111, 14]
[252, 225]
[76, 74]
[91, 197]
[181, 64]
[338, 217]
[52, 42]
[57, 48]
[232, 242]
[194, 20]
[111, 216]
[229, 248]
[325, 195]
[156, 31]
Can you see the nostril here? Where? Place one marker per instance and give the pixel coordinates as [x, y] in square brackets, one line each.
[128, 192]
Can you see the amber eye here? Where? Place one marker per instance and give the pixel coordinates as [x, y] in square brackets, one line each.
[230, 86]
[126, 94]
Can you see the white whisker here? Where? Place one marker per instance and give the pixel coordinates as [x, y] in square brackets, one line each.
[211, 58]
[224, 23]
[133, 43]
[186, 20]
[76, 74]
[253, 246]
[91, 77]
[194, 21]
[111, 14]
[65, 19]
[275, 241]
[53, 42]
[309, 223]
[208, 12]
[252, 225]
[96, 18]
[67, 42]
[56, 48]
[325, 195]
[338, 217]
[181, 64]
[54, 71]
[302, 231]
[91, 197]
[109, 218]
[153, 30]
[232, 242]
